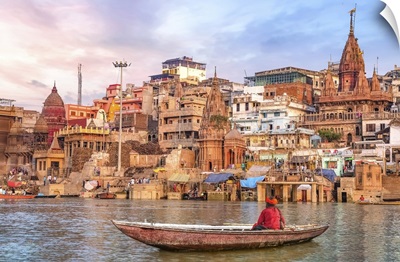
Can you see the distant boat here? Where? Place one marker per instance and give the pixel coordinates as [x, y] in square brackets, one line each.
[6, 196]
[378, 203]
[180, 237]
[62, 196]
[106, 195]
[187, 196]
[45, 196]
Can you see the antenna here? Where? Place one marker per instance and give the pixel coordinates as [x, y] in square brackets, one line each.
[377, 63]
[79, 85]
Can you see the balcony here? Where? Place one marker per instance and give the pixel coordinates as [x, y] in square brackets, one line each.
[179, 127]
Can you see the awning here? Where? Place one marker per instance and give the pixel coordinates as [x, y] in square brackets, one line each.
[179, 178]
[255, 171]
[218, 178]
[329, 174]
[255, 168]
[159, 169]
[251, 182]
[299, 159]
[14, 183]
[304, 187]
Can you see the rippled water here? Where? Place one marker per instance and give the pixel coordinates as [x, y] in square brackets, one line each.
[80, 229]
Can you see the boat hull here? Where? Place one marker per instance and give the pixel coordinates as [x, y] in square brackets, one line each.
[215, 238]
[65, 196]
[17, 196]
[46, 196]
[106, 196]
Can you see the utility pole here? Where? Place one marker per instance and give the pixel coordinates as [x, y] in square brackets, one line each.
[79, 85]
[120, 65]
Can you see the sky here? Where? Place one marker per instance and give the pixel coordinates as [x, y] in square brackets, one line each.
[43, 42]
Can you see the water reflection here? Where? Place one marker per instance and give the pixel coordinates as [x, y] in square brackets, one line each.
[80, 230]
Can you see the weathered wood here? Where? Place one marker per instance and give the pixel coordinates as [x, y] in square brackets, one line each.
[181, 237]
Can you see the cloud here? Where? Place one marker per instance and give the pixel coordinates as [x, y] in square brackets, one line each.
[44, 41]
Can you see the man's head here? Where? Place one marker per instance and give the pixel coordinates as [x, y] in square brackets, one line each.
[271, 201]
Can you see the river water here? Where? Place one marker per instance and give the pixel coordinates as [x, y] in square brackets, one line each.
[79, 229]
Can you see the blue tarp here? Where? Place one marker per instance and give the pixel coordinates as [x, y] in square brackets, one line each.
[329, 174]
[251, 182]
[218, 178]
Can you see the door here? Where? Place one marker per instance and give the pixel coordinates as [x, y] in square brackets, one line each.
[304, 195]
[344, 197]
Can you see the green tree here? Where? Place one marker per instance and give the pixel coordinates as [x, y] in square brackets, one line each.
[329, 135]
[219, 121]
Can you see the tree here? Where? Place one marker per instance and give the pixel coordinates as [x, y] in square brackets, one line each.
[329, 135]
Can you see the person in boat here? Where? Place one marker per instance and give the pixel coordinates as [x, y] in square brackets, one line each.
[271, 217]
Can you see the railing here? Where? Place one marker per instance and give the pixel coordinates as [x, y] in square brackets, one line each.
[82, 130]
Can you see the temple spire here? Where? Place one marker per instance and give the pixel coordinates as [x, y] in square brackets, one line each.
[352, 11]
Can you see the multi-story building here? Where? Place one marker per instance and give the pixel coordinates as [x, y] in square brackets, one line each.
[245, 112]
[180, 117]
[391, 80]
[290, 74]
[189, 71]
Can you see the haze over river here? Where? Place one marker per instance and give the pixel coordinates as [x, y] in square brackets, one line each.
[79, 229]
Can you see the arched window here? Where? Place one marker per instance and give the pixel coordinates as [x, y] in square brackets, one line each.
[358, 133]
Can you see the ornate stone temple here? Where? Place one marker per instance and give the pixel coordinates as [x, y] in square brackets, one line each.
[213, 129]
[342, 110]
[54, 113]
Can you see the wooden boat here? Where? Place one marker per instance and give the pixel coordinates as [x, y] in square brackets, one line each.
[187, 196]
[180, 237]
[378, 203]
[7, 196]
[63, 196]
[45, 196]
[106, 195]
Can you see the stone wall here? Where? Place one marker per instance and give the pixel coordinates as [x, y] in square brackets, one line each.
[391, 185]
[152, 191]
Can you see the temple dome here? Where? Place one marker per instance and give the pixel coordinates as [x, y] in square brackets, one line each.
[53, 109]
[16, 128]
[41, 126]
[54, 99]
[233, 134]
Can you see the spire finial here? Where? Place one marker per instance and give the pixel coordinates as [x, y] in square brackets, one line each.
[352, 11]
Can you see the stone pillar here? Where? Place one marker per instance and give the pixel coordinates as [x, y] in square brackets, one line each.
[261, 189]
[294, 193]
[321, 193]
[313, 193]
[285, 197]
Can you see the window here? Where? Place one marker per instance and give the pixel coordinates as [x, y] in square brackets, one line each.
[382, 126]
[370, 127]
[277, 114]
[237, 107]
[247, 106]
